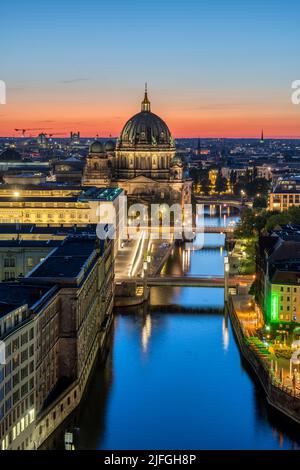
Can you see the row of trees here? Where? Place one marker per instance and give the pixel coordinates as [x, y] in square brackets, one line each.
[257, 222]
[249, 184]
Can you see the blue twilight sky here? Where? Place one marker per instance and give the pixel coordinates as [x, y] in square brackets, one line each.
[213, 67]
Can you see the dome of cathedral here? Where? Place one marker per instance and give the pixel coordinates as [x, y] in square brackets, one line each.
[96, 147]
[145, 130]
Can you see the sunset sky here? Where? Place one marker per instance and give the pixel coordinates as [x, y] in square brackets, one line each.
[214, 68]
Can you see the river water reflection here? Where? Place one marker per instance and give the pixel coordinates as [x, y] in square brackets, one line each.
[177, 381]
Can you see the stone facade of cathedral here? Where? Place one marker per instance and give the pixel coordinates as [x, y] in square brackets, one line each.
[143, 162]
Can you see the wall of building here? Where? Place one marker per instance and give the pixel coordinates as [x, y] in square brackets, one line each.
[17, 385]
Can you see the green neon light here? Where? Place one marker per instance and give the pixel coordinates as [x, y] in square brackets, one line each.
[274, 307]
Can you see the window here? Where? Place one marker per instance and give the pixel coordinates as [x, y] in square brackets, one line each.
[24, 373]
[29, 262]
[9, 262]
[24, 338]
[24, 355]
[16, 397]
[16, 379]
[6, 275]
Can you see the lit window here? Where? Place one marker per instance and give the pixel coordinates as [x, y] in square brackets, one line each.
[31, 415]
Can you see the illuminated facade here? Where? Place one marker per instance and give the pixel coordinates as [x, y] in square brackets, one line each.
[59, 206]
[285, 194]
[278, 277]
[282, 297]
[144, 162]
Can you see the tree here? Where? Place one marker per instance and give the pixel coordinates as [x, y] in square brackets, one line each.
[291, 216]
[221, 183]
[205, 184]
[260, 202]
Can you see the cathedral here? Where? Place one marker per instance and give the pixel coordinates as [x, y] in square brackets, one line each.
[143, 162]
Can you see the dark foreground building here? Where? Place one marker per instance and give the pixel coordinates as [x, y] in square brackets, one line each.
[53, 324]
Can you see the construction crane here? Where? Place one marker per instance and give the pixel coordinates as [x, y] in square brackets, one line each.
[23, 131]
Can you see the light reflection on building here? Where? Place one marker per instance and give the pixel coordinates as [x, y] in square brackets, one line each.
[225, 334]
[186, 260]
[146, 333]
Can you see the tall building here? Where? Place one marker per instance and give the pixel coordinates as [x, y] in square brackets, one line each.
[54, 324]
[278, 277]
[144, 162]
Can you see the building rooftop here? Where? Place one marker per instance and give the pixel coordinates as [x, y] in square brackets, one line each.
[51, 230]
[53, 199]
[100, 194]
[15, 243]
[75, 193]
[285, 250]
[15, 295]
[67, 263]
[285, 272]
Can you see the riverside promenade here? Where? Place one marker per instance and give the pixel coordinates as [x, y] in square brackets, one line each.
[279, 392]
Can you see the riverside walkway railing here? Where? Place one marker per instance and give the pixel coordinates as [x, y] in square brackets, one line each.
[279, 395]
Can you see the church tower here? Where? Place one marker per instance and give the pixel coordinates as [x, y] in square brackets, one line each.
[97, 171]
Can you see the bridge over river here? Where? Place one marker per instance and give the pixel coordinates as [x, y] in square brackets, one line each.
[187, 281]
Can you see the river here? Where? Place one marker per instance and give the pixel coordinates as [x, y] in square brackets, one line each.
[177, 380]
